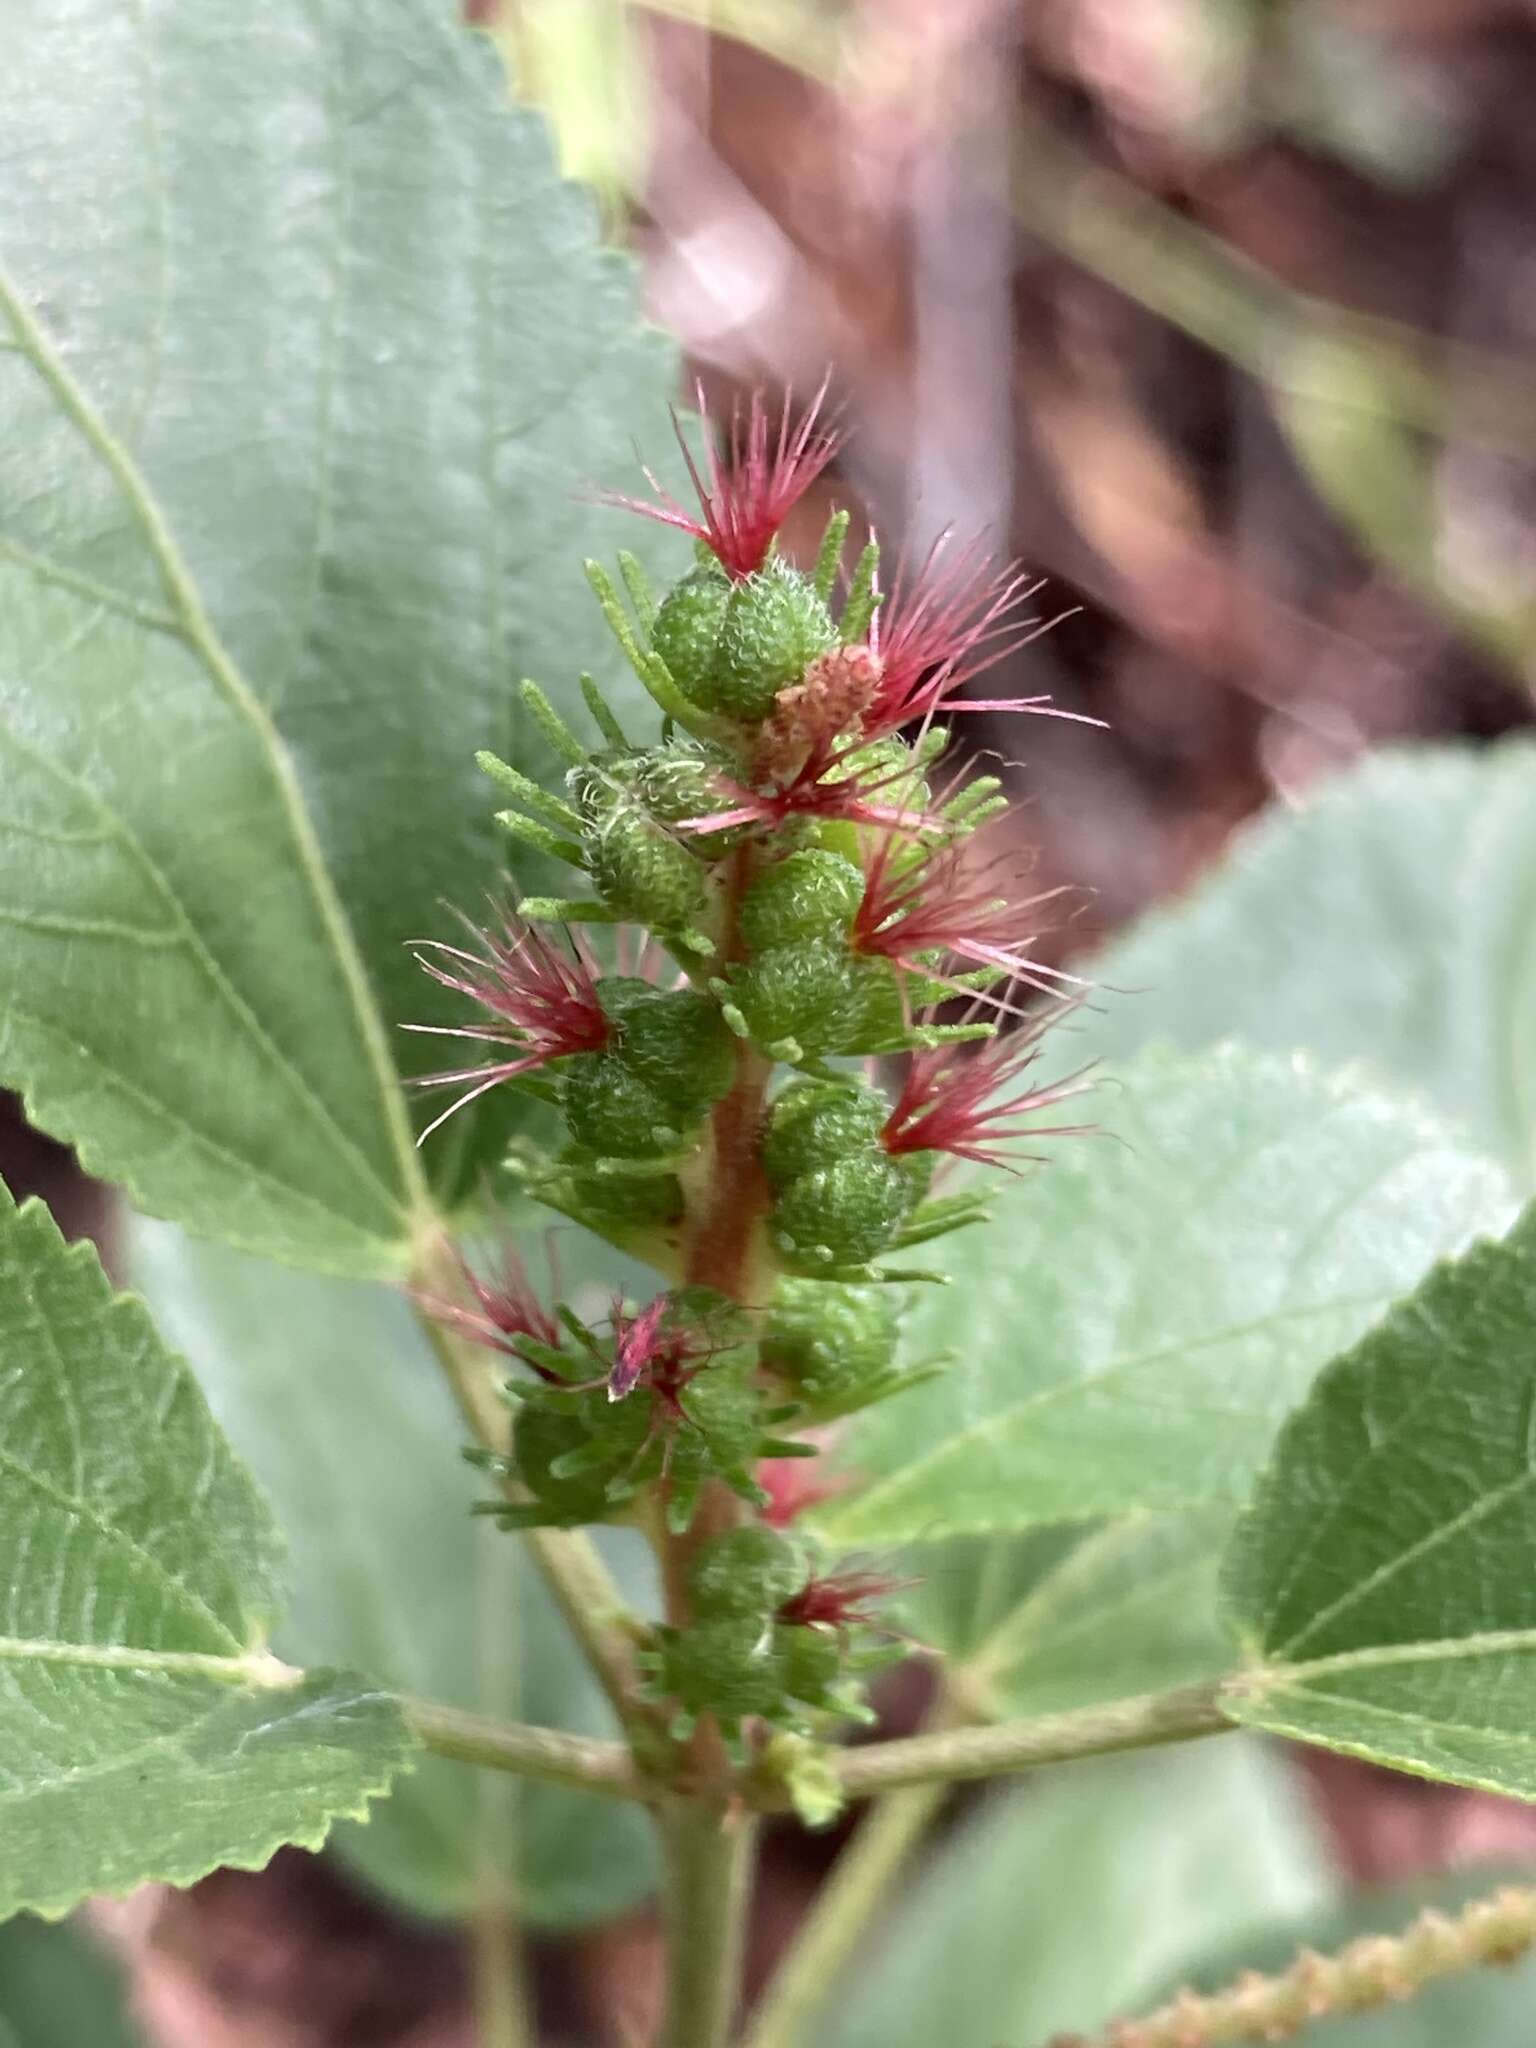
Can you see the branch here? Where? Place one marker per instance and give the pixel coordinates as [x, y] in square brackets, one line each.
[547, 1753]
[709, 1875]
[1374, 1971]
[582, 1586]
[955, 1755]
[861, 1881]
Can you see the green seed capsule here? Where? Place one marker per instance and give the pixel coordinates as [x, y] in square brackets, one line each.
[775, 626]
[687, 628]
[832, 1344]
[808, 895]
[810, 1663]
[542, 1437]
[642, 872]
[681, 781]
[841, 1215]
[599, 785]
[678, 1044]
[747, 1572]
[806, 993]
[724, 1405]
[815, 1123]
[880, 1017]
[729, 1668]
[610, 1110]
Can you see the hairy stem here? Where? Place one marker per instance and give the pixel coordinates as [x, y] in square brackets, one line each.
[860, 1882]
[548, 1754]
[502, 2017]
[1374, 1971]
[709, 1852]
[955, 1755]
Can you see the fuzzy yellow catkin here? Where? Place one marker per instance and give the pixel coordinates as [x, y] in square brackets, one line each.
[1376, 1970]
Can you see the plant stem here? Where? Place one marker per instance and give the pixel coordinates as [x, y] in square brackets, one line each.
[502, 2018]
[858, 1886]
[954, 1755]
[1377, 1970]
[582, 1586]
[709, 1865]
[545, 1753]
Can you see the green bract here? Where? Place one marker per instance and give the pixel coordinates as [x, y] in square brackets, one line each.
[748, 1571]
[687, 628]
[834, 1346]
[807, 895]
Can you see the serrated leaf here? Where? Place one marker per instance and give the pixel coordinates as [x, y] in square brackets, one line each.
[1061, 1906]
[1141, 1314]
[145, 1730]
[1063, 1617]
[330, 1391]
[1382, 1581]
[1385, 923]
[307, 355]
[58, 1990]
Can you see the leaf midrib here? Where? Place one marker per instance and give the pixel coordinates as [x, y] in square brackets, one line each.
[1088, 1383]
[198, 631]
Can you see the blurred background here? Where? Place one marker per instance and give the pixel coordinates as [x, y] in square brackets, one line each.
[1219, 315]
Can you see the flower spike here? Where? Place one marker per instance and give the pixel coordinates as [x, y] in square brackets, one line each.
[542, 995]
[744, 497]
[959, 1103]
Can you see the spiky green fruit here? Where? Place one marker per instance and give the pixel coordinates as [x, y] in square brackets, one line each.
[543, 1437]
[807, 895]
[610, 1110]
[687, 628]
[805, 994]
[746, 1572]
[727, 1668]
[644, 872]
[815, 1123]
[840, 1215]
[775, 626]
[810, 1664]
[834, 1345]
[677, 1042]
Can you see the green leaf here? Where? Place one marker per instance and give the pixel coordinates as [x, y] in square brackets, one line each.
[1060, 1906]
[1382, 1581]
[1142, 1314]
[58, 1990]
[331, 1392]
[1386, 923]
[1486, 2008]
[145, 1729]
[1063, 1617]
[305, 353]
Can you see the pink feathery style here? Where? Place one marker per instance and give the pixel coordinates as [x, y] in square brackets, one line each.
[507, 1308]
[541, 994]
[941, 901]
[937, 630]
[958, 1101]
[840, 1600]
[746, 494]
